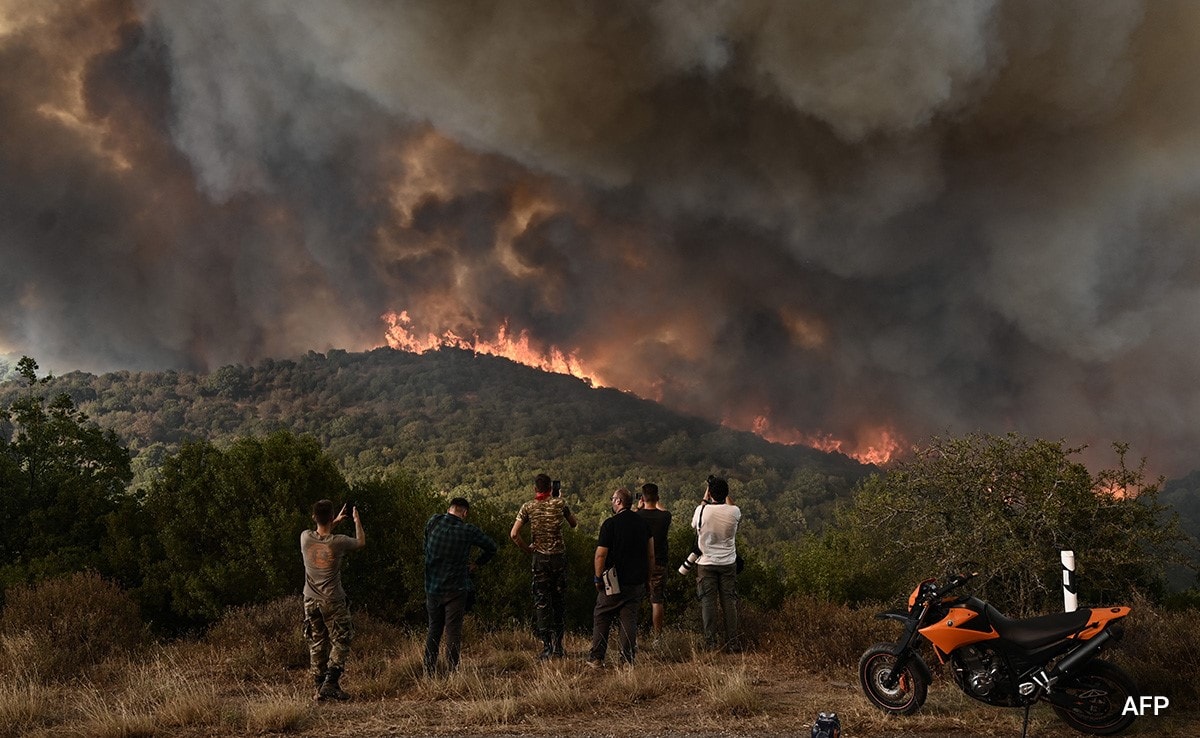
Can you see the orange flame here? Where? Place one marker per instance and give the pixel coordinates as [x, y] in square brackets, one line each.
[875, 446]
[519, 348]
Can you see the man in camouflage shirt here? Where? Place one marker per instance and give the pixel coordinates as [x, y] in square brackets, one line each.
[448, 587]
[544, 515]
[326, 609]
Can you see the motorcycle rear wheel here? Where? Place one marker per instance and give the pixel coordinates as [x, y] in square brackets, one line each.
[909, 693]
[1100, 691]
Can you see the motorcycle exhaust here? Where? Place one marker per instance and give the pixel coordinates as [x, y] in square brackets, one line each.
[1045, 679]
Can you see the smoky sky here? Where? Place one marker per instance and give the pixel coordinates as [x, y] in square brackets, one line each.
[841, 216]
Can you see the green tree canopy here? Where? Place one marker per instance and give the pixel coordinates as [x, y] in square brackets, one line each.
[228, 520]
[61, 476]
[1004, 506]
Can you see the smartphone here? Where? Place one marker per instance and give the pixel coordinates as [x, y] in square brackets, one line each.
[555, 488]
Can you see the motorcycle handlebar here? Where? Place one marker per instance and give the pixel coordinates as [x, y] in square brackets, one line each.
[952, 583]
[958, 580]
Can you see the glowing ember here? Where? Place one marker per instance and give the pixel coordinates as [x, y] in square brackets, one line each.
[519, 348]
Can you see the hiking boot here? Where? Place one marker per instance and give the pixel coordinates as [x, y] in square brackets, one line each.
[558, 645]
[318, 682]
[547, 648]
[330, 689]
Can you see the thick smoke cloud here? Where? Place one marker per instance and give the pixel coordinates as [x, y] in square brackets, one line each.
[840, 216]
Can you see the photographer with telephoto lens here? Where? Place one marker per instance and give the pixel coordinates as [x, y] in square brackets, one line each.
[716, 522]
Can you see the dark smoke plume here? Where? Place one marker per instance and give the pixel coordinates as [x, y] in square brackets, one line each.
[839, 216]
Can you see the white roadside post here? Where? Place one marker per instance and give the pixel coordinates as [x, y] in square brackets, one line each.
[1070, 596]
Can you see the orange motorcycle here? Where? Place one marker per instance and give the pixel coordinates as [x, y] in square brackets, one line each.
[1003, 661]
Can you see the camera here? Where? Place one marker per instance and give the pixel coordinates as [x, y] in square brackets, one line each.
[690, 561]
[555, 488]
[827, 726]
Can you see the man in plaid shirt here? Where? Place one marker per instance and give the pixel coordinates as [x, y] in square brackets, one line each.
[448, 542]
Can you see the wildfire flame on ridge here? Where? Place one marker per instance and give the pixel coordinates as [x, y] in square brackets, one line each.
[875, 445]
[518, 348]
[879, 447]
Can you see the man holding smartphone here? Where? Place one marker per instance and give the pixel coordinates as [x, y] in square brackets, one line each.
[544, 515]
[650, 508]
[326, 609]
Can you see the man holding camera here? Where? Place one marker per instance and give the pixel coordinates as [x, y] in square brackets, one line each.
[624, 557]
[448, 568]
[544, 515]
[326, 609]
[650, 508]
[715, 522]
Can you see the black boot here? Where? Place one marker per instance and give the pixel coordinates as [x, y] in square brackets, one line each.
[558, 644]
[547, 647]
[331, 689]
[318, 682]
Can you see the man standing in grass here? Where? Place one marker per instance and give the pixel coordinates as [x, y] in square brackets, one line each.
[326, 609]
[659, 519]
[623, 560]
[716, 522]
[448, 568]
[544, 515]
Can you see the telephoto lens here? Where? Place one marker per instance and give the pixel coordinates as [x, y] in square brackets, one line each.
[686, 566]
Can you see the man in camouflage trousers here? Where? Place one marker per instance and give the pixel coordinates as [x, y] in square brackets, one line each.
[326, 609]
[544, 515]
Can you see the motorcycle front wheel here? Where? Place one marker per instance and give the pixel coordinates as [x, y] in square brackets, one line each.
[1098, 693]
[905, 697]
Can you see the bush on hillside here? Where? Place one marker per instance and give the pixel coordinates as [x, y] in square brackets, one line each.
[68, 626]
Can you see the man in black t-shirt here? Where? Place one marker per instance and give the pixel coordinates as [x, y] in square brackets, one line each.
[650, 509]
[624, 557]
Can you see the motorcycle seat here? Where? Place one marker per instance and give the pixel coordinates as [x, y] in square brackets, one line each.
[1038, 631]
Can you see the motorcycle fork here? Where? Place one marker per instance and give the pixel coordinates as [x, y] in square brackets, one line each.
[905, 649]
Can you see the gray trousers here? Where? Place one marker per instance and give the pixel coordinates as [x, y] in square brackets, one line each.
[446, 613]
[715, 583]
[623, 608]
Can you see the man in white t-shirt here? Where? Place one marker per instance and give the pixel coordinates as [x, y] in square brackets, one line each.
[716, 522]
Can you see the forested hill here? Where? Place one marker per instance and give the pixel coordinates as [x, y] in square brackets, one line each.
[467, 423]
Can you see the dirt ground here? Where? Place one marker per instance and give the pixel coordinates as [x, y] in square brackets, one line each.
[788, 701]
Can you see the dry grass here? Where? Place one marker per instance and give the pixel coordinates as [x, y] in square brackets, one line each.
[213, 687]
[732, 693]
[278, 713]
[102, 716]
[27, 705]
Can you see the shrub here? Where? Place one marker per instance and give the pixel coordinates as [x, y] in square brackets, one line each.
[818, 634]
[1160, 645]
[73, 624]
[267, 636]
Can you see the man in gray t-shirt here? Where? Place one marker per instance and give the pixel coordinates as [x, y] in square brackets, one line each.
[326, 611]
